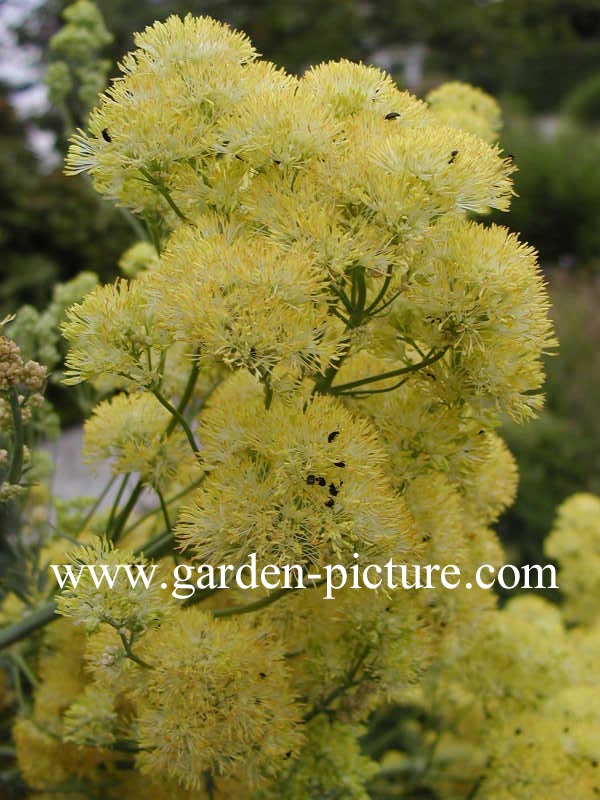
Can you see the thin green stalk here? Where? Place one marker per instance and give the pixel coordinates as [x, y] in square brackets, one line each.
[115, 532]
[343, 297]
[177, 415]
[187, 394]
[430, 359]
[349, 683]
[381, 293]
[358, 313]
[233, 611]
[262, 603]
[95, 506]
[16, 462]
[369, 392]
[30, 623]
[168, 502]
[159, 184]
[117, 500]
[387, 303]
[163, 507]
[25, 668]
[130, 654]
[156, 547]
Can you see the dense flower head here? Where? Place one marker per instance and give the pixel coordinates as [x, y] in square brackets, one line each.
[510, 663]
[280, 486]
[575, 543]
[113, 335]
[348, 89]
[247, 302]
[329, 765]
[216, 699]
[131, 430]
[129, 609]
[464, 106]
[477, 293]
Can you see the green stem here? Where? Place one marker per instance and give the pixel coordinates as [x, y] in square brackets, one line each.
[358, 280]
[115, 533]
[117, 500]
[159, 184]
[258, 604]
[381, 293]
[187, 393]
[349, 683]
[163, 507]
[16, 463]
[130, 654]
[431, 358]
[156, 547]
[233, 611]
[25, 668]
[30, 623]
[168, 502]
[369, 392]
[178, 416]
[95, 506]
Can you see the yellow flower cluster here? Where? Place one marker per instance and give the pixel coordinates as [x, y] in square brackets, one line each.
[312, 354]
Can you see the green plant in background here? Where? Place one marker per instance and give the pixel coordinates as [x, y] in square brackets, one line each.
[558, 453]
[558, 187]
[77, 74]
[583, 102]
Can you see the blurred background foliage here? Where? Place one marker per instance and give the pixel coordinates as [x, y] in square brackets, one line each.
[541, 58]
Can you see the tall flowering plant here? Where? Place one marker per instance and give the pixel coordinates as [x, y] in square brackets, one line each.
[306, 364]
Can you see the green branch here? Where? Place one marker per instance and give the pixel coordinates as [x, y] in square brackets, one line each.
[16, 462]
[431, 358]
[178, 416]
[160, 186]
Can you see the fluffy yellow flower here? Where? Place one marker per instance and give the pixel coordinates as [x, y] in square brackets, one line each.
[216, 699]
[130, 430]
[463, 106]
[478, 293]
[113, 334]
[575, 543]
[294, 485]
[348, 89]
[129, 609]
[247, 302]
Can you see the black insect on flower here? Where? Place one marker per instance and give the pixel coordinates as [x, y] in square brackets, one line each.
[332, 436]
[392, 115]
[106, 135]
[339, 464]
[310, 479]
[321, 481]
[453, 155]
[333, 490]
[329, 503]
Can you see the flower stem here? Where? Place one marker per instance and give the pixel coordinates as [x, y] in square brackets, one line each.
[16, 463]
